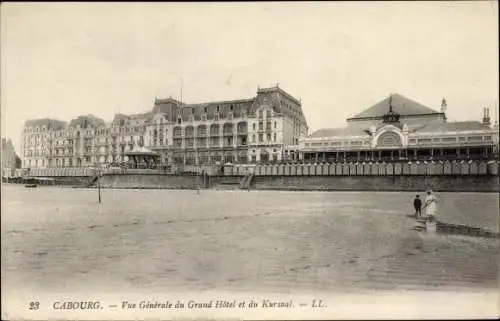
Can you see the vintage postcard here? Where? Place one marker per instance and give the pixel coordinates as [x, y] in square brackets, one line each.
[254, 160]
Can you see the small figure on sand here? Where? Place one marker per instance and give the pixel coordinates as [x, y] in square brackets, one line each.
[430, 206]
[417, 204]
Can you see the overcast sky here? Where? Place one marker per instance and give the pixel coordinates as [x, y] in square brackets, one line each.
[64, 60]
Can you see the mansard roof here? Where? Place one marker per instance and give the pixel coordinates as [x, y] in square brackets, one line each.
[423, 128]
[338, 132]
[400, 104]
[452, 127]
[279, 90]
[51, 123]
[87, 120]
[171, 108]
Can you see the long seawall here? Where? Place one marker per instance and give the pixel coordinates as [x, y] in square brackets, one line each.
[308, 183]
[159, 181]
[478, 176]
[378, 183]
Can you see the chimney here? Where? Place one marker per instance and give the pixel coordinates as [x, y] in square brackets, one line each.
[486, 117]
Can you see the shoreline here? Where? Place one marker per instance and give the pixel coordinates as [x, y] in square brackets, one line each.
[282, 189]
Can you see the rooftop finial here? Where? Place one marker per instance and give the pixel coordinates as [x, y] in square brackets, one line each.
[486, 116]
[391, 116]
[443, 105]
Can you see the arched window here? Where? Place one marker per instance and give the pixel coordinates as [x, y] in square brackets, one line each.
[389, 139]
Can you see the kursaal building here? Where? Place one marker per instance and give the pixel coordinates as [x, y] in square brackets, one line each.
[400, 129]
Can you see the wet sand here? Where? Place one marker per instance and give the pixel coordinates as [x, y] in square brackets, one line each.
[267, 241]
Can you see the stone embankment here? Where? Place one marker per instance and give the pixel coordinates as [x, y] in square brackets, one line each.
[158, 181]
[470, 176]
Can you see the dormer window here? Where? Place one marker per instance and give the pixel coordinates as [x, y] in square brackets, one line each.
[231, 108]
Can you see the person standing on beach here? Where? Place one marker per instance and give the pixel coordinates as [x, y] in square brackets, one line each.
[417, 204]
[430, 206]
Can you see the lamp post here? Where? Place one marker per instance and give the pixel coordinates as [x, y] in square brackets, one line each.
[99, 174]
[97, 165]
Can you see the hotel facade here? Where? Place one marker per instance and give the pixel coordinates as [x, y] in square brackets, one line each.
[237, 131]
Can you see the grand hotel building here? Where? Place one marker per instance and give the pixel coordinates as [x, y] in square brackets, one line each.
[400, 129]
[238, 131]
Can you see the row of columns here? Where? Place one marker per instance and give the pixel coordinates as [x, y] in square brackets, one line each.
[224, 140]
[401, 153]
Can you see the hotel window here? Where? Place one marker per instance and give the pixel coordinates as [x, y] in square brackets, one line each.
[274, 125]
[261, 125]
[268, 113]
[261, 113]
[253, 138]
[275, 137]
[261, 138]
[253, 125]
[268, 137]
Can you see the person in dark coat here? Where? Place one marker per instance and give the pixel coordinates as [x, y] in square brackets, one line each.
[417, 204]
